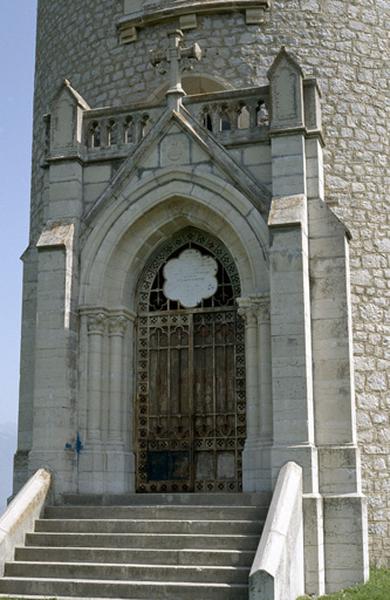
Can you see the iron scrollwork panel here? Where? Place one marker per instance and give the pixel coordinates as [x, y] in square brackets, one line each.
[164, 404]
[219, 413]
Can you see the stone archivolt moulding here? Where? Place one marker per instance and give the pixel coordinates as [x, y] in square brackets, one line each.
[139, 14]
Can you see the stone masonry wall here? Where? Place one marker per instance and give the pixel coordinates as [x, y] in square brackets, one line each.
[344, 45]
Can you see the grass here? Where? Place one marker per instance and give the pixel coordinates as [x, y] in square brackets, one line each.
[377, 588]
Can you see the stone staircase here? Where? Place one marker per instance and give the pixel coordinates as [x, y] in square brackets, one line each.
[168, 546]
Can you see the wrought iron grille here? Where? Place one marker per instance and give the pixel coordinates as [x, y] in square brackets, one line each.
[190, 425]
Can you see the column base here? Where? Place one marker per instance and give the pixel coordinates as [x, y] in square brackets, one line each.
[91, 472]
[120, 472]
[256, 467]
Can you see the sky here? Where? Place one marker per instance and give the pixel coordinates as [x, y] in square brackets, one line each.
[17, 49]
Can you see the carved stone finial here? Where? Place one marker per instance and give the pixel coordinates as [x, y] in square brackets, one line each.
[176, 58]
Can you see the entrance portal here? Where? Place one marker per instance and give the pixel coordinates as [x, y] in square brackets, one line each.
[190, 423]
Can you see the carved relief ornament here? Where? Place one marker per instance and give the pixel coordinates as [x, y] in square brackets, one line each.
[254, 309]
[96, 324]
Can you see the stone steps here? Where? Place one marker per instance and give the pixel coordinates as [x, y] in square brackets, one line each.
[158, 526]
[132, 590]
[147, 540]
[169, 549]
[151, 511]
[126, 572]
[223, 558]
[209, 501]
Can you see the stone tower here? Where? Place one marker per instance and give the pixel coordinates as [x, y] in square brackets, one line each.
[147, 162]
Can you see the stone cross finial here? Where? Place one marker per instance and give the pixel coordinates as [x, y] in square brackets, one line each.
[179, 59]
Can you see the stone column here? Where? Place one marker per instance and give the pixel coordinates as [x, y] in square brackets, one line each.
[91, 465]
[96, 331]
[265, 370]
[247, 310]
[119, 461]
[117, 328]
[129, 384]
[256, 455]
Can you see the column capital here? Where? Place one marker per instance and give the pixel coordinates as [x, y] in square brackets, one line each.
[117, 325]
[254, 308]
[264, 309]
[96, 323]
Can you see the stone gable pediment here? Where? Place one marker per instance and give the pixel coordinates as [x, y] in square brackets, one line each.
[178, 141]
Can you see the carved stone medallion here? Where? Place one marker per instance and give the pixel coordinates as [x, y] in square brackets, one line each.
[190, 278]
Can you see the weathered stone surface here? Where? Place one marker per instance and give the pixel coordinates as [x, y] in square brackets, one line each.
[343, 44]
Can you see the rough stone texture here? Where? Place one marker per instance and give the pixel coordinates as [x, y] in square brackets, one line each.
[341, 43]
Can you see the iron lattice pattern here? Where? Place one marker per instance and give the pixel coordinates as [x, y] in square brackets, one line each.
[191, 408]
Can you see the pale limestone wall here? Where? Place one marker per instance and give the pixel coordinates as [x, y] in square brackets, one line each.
[343, 45]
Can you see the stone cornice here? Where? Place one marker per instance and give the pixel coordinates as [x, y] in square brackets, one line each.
[156, 13]
[113, 313]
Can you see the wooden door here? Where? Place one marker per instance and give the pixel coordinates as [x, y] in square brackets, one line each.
[190, 413]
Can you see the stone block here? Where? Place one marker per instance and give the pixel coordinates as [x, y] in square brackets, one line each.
[288, 166]
[151, 160]
[339, 469]
[92, 191]
[189, 21]
[346, 556]
[314, 544]
[288, 210]
[259, 154]
[287, 145]
[66, 171]
[97, 173]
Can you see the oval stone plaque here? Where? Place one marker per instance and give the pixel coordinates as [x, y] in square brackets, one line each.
[190, 278]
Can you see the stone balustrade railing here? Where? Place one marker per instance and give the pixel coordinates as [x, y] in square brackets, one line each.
[222, 113]
[109, 128]
[277, 571]
[230, 111]
[233, 116]
[19, 517]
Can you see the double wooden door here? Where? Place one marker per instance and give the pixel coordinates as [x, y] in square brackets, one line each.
[190, 421]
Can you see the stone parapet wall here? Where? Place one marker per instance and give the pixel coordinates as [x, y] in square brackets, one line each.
[343, 44]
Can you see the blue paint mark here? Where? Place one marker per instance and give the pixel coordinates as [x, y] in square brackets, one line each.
[79, 445]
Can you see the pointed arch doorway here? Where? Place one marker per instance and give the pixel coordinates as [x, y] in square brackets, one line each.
[190, 417]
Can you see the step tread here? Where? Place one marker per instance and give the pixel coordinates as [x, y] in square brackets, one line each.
[40, 597]
[213, 507]
[127, 565]
[181, 535]
[90, 520]
[197, 498]
[148, 520]
[103, 548]
[118, 582]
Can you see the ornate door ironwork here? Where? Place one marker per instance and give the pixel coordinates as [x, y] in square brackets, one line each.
[190, 423]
